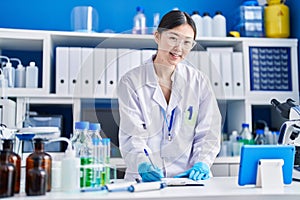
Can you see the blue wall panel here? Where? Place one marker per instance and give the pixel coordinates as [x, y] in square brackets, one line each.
[116, 15]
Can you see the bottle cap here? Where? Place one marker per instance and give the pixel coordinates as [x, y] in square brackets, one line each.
[20, 66]
[259, 132]
[94, 126]
[244, 125]
[195, 12]
[105, 141]
[81, 125]
[32, 64]
[8, 64]
[139, 9]
[206, 14]
[218, 12]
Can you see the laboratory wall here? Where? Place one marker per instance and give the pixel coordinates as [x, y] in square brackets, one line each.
[114, 15]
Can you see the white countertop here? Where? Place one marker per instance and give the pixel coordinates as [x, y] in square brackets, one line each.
[218, 187]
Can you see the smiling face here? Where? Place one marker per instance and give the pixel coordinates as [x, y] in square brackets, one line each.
[174, 44]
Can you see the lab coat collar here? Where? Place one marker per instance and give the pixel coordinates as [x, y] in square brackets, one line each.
[179, 83]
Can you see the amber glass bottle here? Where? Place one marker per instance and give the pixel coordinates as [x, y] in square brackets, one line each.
[7, 175]
[46, 160]
[36, 178]
[14, 159]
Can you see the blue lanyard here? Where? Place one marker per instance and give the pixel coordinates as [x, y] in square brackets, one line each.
[169, 125]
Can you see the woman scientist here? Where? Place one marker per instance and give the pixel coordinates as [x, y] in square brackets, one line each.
[170, 123]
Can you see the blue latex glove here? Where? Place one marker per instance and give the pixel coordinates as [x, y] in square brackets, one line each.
[200, 171]
[149, 173]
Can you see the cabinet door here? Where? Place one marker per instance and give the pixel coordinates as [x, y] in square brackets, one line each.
[220, 170]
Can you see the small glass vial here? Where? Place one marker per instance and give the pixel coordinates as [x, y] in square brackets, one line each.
[46, 160]
[14, 159]
[7, 175]
[36, 178]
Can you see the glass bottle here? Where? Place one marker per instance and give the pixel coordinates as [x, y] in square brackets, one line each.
[14, 159]
[36, 178]
[246, 134]
[7, 175]
[46, 160]
[80, 139]
[260, 137]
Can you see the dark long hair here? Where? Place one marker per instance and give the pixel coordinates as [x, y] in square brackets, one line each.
[176, 18]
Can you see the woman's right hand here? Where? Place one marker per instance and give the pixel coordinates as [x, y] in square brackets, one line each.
[149, 173]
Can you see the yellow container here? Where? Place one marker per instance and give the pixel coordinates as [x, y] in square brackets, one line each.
[277, 19]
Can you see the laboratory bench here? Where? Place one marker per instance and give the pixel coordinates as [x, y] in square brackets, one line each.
[215, 188]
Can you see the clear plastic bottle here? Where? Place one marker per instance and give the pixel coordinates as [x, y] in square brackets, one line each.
[14, 159]
[70, 172]
[46, 160]
[36, 178]
[32, 75]
[7, 174]
[20, 78]
[260, 137]
[9, 74]
[246, 135]
[139, 21]
[198, 22]
[219, 25]
[207, 25]
[3, 85]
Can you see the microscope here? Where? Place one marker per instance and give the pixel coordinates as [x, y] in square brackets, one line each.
[290, 130]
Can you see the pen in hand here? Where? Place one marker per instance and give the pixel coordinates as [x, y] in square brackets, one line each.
[146, 153]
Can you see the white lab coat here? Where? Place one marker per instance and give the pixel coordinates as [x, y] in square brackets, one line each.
[196, 128]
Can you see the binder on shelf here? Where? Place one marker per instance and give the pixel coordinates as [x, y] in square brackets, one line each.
[226, 71]
[147, 54]
[86, 72]
[99, 72]
[127, 60]
[219, 49]
[124, 62]
[204, 64]
[111, 72]
[136, 58]
[74, 71]
[238, 74]
[62, 71]
[192, 59]
[215, 75]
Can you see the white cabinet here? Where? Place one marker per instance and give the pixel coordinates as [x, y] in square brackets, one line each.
[236, 109]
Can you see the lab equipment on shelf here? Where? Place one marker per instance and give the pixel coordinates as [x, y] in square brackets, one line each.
[139, 21]
[246, 135]
[36, 178]
[7, 172]
[15, 159]
[260, 137]
[44, 159]
[32, 75]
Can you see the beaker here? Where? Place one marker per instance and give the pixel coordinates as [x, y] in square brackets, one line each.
[84, 19]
